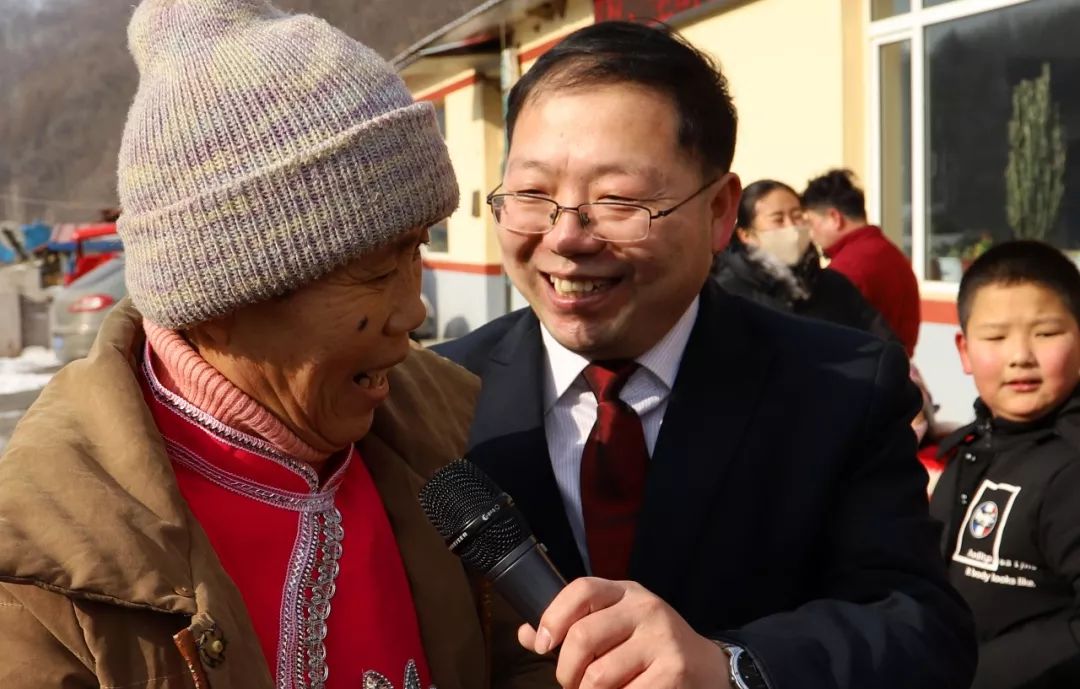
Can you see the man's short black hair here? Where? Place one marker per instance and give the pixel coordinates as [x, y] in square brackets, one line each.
[655, 57]
[836, 189]
[1021, 262]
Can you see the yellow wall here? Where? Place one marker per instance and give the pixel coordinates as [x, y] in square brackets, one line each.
[855, 74]
[785, 63]
[476, 140]
[472, 113]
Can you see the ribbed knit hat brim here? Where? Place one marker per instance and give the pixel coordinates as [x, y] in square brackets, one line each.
[263, 151]
[199, 259]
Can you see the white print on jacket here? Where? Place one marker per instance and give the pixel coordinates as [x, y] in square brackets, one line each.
[979, 542]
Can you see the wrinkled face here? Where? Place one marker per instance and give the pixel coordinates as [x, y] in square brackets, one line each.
[612, 143]
[1022, 347]
[318, 357]
[826, 225]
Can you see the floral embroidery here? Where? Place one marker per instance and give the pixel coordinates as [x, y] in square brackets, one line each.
[374, 680]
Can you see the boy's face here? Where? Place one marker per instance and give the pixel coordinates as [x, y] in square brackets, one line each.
[1022, 346]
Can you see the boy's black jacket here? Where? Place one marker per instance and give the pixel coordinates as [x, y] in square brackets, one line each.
[1010, 502]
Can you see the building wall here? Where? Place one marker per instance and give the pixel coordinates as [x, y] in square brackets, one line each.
[940, 367]
[464, 297]
[785, 63]
[534, 36]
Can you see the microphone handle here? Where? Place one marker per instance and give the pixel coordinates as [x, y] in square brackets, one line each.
[528, 580]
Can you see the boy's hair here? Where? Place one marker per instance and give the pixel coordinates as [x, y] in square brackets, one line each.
[1021, 262]
[653, 57]
[836, 189]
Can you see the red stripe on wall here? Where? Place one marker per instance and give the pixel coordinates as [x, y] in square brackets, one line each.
[455, 267]
[537, 51]
[941, 312]
[449, 88]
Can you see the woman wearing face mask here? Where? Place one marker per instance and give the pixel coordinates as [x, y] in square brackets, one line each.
[771, 261]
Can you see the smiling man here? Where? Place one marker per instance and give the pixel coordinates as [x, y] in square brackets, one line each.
[741, 484]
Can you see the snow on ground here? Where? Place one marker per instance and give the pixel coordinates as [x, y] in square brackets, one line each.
[30, 371]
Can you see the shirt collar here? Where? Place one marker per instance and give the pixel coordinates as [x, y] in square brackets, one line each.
[662, 361]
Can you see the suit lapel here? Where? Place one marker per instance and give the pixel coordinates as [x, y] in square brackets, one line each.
[717, 388]
[509, 443]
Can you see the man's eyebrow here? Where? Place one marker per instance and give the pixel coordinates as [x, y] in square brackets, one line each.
[528, 164]
[650, 173]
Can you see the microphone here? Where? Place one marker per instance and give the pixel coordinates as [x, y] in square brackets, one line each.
[481, 526]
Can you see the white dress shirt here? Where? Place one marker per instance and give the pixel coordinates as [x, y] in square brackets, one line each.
[570, 408]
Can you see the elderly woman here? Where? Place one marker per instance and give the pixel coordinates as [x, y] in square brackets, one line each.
[224, 493]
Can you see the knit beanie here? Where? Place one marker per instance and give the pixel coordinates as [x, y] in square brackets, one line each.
[262, 151]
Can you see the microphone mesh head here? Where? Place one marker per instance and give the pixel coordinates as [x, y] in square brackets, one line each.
[458, 494]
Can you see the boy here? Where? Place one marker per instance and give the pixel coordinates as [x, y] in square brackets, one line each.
[1010, 494]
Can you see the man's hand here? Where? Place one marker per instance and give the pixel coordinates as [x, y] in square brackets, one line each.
[616, 634]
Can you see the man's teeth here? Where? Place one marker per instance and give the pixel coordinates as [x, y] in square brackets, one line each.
[370, 380]
[578, 286]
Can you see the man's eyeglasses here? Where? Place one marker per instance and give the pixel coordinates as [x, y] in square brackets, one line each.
[609, 221]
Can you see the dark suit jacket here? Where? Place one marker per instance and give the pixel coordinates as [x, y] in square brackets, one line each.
[784, 508]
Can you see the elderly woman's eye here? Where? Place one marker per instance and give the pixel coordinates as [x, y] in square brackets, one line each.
[382, 276]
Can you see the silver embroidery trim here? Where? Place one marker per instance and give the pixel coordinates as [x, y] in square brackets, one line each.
[311, 584]
[375, 680]
[314, 562]
[268, 495]
[231, 436]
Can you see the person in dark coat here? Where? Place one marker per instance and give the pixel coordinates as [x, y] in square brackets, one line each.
[771, 261]
[1010, 493]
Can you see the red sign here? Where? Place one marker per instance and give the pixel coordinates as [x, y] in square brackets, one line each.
[643, 10]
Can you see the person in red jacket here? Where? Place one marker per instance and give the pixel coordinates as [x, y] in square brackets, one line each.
[835, 210]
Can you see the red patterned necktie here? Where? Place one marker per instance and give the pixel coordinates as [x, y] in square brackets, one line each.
[613, 468]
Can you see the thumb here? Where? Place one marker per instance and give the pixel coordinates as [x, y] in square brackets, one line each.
[527, 636]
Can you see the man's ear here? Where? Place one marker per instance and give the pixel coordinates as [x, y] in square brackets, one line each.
[837, 218]
[725, 209]
[962, 349]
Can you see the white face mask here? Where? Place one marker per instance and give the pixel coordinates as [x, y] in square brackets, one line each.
[786, 244]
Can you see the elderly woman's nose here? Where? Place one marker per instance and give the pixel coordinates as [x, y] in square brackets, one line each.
[408, 316]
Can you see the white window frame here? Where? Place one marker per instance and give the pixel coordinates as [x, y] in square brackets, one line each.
[911, 26]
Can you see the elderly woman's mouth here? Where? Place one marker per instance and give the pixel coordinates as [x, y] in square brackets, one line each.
[371, 379]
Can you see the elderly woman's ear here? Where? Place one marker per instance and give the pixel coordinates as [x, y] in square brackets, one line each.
[212, 334]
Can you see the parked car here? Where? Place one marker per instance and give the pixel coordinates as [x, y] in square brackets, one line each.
[78, 309]
[94, 246]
